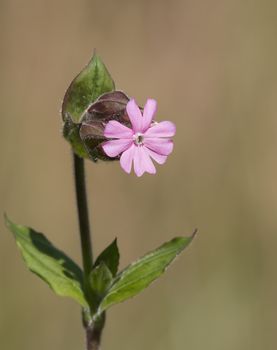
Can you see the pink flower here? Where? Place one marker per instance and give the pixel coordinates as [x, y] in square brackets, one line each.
[146, 140]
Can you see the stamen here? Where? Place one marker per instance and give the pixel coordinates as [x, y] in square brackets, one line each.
[138, 138]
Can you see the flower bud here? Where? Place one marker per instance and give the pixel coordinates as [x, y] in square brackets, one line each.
[87, 136]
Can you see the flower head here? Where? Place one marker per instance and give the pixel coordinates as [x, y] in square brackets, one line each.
[144, 141]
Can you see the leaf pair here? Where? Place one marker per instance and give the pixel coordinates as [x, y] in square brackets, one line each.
[65, 277]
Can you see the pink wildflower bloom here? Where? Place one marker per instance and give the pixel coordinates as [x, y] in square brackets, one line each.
[146, 140]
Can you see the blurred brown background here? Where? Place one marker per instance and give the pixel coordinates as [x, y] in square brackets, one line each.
[212, 67]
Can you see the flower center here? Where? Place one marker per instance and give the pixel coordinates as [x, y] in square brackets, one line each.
[138, 138]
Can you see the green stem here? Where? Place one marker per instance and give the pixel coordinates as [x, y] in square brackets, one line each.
[81, 197]
[93, 328]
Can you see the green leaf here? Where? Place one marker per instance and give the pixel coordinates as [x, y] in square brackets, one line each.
[137, 276]
[93, 81]
[110, 256]
[100, 279]
[49, 263]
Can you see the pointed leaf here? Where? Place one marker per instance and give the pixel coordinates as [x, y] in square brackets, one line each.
[110, 256]
[100, 279]
[137, 276]
[93, 81]
[49, 263]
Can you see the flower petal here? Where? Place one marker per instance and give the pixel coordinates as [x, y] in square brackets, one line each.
[162, 129]
[147, 162]
[126, 159]
[160, 159]
[161, 146]
[148, 113]
[114, 147]
[138, 168]
[134, 114]
[114, 129]
[142, 162]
